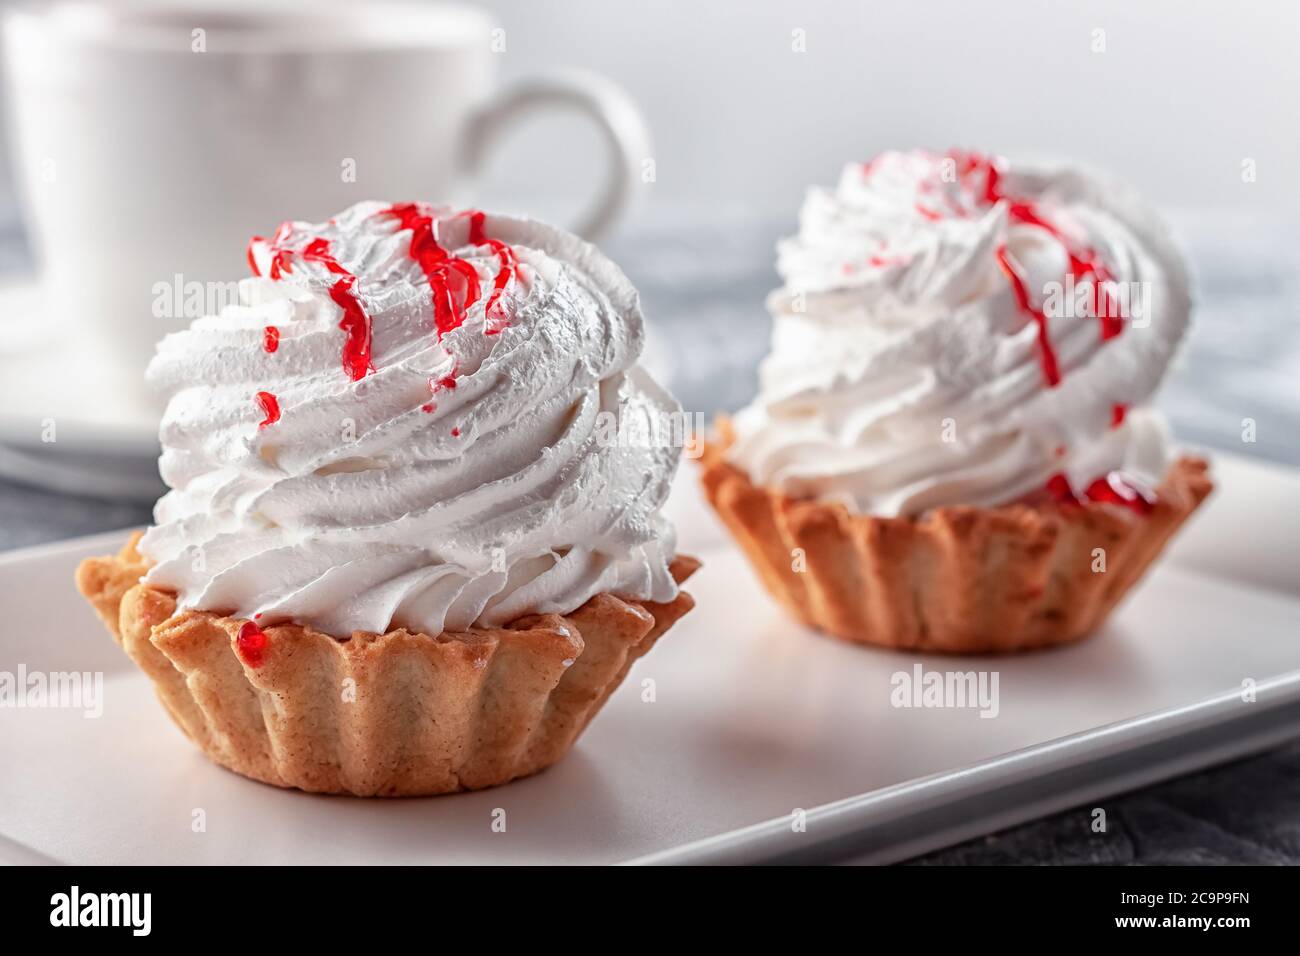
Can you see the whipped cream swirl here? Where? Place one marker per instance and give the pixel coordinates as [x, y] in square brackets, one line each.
[955, 330]
[404, 422]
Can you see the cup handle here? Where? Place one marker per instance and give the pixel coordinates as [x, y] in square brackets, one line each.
[627, 139]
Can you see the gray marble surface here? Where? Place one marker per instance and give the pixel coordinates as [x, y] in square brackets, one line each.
[703, 291]
[1240, 813]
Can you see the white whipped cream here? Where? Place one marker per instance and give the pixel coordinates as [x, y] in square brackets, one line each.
[904, 374]
[393, 501]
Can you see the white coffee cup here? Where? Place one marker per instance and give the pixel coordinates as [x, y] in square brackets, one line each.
[153, 139]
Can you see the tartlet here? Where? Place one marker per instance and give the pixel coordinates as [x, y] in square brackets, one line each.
[407, 550]
[953, 448]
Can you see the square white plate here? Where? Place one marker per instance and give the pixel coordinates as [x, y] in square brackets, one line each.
[751, 719]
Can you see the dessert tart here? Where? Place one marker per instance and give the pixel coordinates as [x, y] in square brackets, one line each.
[402, 553]
[953, 447]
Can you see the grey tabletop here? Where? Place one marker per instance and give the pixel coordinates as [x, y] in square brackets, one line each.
[703, 291]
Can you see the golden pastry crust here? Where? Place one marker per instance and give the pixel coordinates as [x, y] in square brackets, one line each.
[395, 714]
[958, 580]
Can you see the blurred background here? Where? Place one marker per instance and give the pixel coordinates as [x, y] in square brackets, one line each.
[748, 103]
[1173, 95]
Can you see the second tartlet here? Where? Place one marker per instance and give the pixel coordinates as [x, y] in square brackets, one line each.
[953, 448]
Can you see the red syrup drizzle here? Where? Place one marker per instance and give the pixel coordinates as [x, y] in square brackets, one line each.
[279, 254]
[270, 408]
[1058, 486]
[438, 266]
[251, 643]
[1046, 352]
[1084, 263]
[509, 263]
[436, 386]
[1118, 489]
[355, 323]
[1114, 488]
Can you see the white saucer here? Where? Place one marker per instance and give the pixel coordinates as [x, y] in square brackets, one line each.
[104, 431]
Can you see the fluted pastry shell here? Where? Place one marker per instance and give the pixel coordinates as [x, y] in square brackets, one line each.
[395, 714]
[957, 579]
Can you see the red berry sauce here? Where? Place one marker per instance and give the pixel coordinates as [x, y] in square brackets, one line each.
[270, 408]
[1114, 488]
[1046, 351]
[251, 644]
[453, 285]
[444, 271]
[355, 323]
[1119, 489]
[509, 263]
[980, 177]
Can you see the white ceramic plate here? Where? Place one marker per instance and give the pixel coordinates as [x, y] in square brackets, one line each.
[752, 719]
